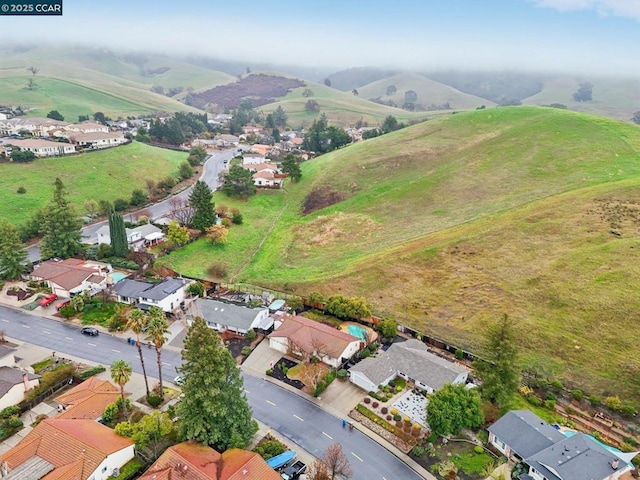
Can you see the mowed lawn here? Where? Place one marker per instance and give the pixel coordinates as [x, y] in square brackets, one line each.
[100, 175]
[449, 224]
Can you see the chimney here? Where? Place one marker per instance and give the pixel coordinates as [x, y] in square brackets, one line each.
[25, 381]
[615, 464]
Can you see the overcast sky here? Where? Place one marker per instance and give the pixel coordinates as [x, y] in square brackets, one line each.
[571, 35]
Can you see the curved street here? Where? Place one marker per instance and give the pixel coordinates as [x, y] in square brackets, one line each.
[294, 417]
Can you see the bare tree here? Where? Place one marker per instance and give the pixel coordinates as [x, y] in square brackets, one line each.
[318, 470]
[337, 462]
[181, 211]
[311, 375]
[33, 70]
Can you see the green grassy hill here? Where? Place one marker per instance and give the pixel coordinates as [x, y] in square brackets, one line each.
[451, 223]
[429, 92]
[100, 175]
[79, 81]
[612, 97]
[341, 108]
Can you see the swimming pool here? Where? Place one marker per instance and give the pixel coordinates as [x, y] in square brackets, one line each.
[117, 276]
[357, 331]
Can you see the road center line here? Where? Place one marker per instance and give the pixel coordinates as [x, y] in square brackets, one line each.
[117, 351]
[26, 326]
[164, 363]
[92, 344]
[5, 321]
[357, 456]
[299, 418]
[69, 338]
[46, 332]
[327, 435]
[271, 403]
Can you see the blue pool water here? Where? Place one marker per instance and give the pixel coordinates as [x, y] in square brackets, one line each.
[357, 331]
[117, 276]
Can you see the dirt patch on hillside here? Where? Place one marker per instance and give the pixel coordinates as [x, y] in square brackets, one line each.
[328, 229]
[320, 198]
[622, 215]
[260, 89]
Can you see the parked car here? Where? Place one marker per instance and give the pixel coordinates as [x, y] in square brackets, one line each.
[178, 380]
[63, 303]
[91, 331]
[48, 299]
[294, 470]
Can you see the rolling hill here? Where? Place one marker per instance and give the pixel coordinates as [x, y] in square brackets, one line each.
[448, 224]
[430, 92]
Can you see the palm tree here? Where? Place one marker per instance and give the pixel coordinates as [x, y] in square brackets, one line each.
[121, 373]
[137, 322]
[157, 330]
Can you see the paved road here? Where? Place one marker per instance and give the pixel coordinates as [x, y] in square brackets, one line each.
[292, 416]
[213, 166]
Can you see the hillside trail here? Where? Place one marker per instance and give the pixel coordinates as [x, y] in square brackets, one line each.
[264, 238]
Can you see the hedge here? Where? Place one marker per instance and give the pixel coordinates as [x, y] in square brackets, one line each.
[90, 372]
[384, 424]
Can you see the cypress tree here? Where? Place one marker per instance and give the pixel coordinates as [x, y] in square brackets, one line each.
[118, 235]
[201, 200]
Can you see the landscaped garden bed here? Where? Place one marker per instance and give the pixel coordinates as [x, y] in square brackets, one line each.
[280, 370]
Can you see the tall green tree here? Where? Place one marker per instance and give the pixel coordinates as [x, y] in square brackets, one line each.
[61, 227]
[157, 331]
[121, 374]
[279, 117]
[137, 322]
[13, 254]
[201, 200]
[197, 154]
[499, 370]
[239, 183]
[118, 235]
[177, 234]
[214, 409]
[292, 167]
[55, 115]
[452, 408]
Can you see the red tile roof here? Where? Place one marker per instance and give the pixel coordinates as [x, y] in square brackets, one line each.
[88, 400]
[194, 461]
[63, 443]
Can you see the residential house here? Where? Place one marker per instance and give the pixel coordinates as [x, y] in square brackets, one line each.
[226, 140]
[266, 179]
[14, 382]
[261, 149]
[3, 116]
[71, 276]
[95, 140]
[87, 127]
[256, 130]
[261, 167]
[228, 317]
[410, 360]
[300, 336]
[552, 455]
[36, 126]
[252, 159]
[44, 148]
[87, 400]
[194, 461]
[60, 448]
[117, 124]
[138, 238]
[168, 294]
[519, 434]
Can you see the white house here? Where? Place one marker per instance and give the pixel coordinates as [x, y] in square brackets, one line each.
[68, 448]
[267, 179]
[252, 159]
[138, 238]
[44, 148]
[168, 294]
[14, 382]
[87, 127]
[36, 126]
[94, 140]
[71, 276]
[410, 360]
[307, 338]
[222, 316]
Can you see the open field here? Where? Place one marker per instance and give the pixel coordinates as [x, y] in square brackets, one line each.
[429, 92]
[104, 174]
[448, 224]
[342, 108]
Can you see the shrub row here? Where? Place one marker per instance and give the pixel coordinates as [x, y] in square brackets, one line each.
[384, 424]
[90, 372]
[325, 382]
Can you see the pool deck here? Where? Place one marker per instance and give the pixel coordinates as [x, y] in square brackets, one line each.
[370, 332]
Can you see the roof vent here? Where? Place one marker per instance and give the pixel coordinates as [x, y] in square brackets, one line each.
[615, 464]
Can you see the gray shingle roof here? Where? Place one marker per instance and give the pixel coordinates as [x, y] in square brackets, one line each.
[226, 314]
[576, 458]
[4, 351]
[154, 291]
[412, 358]
[525, 433]
[10, 376]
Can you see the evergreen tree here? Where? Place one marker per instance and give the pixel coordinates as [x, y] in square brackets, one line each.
[13, 255]
[291, 166]
[60, 228]
[452, 408]
[499, 371]
[239, 183]
[118, 234]
[201, 200]
[214, 409]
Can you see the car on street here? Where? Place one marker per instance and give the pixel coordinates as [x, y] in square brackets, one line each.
[91, 331]
[63, 303]
[48, 299]
[178, 380]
